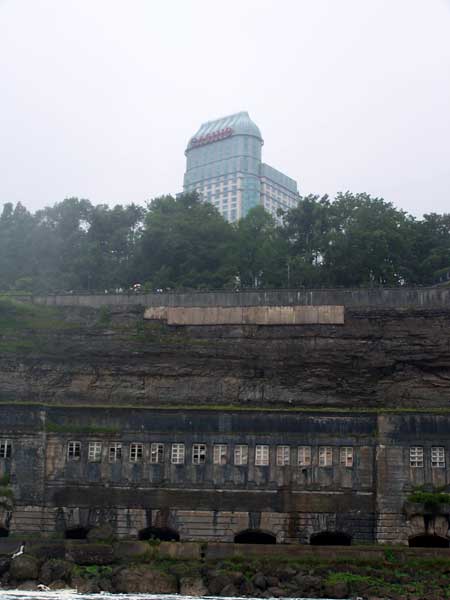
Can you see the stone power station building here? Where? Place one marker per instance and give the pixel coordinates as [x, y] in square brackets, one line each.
[296, 417]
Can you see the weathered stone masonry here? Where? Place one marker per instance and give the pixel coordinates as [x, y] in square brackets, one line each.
[216, 502]
[369, 381]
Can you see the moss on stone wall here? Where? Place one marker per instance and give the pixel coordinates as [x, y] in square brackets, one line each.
[51, 427]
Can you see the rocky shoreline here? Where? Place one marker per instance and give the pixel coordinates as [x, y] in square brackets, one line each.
[177, 568]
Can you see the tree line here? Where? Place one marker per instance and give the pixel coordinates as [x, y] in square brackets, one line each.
[182, 242]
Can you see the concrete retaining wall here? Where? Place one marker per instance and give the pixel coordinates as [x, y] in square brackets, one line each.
[432, 297]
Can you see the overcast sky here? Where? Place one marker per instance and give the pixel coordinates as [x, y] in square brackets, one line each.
[99, 97]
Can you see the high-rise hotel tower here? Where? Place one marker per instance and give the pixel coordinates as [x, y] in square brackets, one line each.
[223, 163]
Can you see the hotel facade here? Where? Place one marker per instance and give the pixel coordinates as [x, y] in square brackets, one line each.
[223, 164]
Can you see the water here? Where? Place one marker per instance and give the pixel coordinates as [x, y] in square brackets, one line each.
[72, 595]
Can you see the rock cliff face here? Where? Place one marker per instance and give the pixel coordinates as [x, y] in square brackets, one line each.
[379, 358]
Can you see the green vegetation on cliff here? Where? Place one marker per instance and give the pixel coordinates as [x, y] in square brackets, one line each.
[26, 327]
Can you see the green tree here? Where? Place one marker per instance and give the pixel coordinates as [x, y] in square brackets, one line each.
[110, 245]
[367, 243]
[185, 243]
[59, 244]
[306, 230]
[430, 251]
[16, 257]
[260, 251]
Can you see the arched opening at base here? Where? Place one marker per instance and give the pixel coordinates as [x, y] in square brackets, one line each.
[331, 538]
[4, 532]
[76, 533]
[254, 536]
[428, 541]
[165, 534]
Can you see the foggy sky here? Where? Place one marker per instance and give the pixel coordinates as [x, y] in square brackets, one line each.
[99, 97]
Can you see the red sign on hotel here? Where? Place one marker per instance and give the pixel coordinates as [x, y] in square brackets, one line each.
[211, 137]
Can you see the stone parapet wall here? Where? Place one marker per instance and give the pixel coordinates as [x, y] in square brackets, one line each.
[426, 297]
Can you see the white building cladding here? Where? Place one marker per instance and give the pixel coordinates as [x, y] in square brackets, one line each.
[223, 163]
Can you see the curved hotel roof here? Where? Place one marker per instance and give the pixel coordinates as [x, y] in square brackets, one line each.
[240, 123]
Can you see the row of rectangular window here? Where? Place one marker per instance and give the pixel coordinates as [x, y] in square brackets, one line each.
[220, 454]
[417, 457]
[5, 448]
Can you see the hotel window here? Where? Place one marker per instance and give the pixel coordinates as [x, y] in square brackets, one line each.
[325, 456]
[115, 452]
[304, 456]
[198, 454]
[438, 457]
[156, 453]
[262, 456]
[416, 456]
[283, 456]
[136, 452]
[346, 456]
[95, 452]
[241, 455]
[220, 454]
[5, 449]
[74, 450]
[177, 456]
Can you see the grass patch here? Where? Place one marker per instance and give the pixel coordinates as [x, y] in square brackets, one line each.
[93, 571]
[6, 492]
[21, 316]
[431, 500]
[4, 480]
[105, 316]
[237, 408]
[51, 427]
[27, 328]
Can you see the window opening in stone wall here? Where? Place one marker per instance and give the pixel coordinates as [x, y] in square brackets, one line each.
[95, 452]
[157, 453]
[428, 541]
[177, 455]
[262, 455]
[241, 454]
[76, 533]
[198, 454]
[304, 456]
[325, 456]
[331, 538]
[283, 456]
[115, 452]
[165, 534]
[438, 457]
[5, 448]
[74, 450]
[4, 532]
[220, 454]
[254, 536]
[346, 456]
[416, 456]
[136, 452]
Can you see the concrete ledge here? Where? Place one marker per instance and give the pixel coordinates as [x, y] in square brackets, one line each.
[221, 551]
[258, 315]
